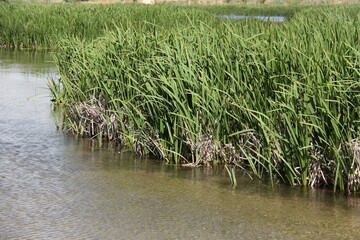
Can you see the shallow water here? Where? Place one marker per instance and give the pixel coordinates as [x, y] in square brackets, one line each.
[54, 186]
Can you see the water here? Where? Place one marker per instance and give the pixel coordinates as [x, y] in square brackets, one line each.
[54, 186]
[263, 18]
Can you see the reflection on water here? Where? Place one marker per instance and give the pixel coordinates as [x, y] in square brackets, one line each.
[54, 186]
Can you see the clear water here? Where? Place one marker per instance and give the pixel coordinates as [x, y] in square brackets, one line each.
[54, 186]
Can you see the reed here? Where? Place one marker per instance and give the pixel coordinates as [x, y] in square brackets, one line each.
[280, 101]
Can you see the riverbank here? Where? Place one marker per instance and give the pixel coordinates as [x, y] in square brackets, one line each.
[280, 101]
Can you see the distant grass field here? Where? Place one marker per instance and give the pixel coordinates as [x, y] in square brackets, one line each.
[30, 26]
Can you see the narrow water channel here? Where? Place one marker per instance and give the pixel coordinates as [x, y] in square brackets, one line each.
[54, 186]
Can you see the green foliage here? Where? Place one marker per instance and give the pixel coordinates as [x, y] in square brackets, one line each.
[44, 25]
[280, 100]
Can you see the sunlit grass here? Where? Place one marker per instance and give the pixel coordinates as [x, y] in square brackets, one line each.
[280, 100]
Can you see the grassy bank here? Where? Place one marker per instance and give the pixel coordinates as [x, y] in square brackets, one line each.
[280, 100]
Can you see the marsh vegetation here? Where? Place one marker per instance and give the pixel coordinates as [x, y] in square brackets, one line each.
[279, 100]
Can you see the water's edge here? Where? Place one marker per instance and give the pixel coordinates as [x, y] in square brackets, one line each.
[54, 186]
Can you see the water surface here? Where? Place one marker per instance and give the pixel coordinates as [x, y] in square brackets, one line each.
[54, 186]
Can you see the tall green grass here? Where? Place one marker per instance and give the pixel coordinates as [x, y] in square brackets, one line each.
[44, 25]
[279, 100]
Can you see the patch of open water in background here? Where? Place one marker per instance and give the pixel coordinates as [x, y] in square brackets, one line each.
[54, 186]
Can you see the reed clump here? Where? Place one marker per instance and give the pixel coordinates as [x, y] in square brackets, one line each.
[278, 100]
